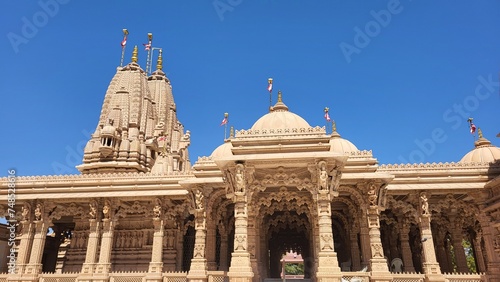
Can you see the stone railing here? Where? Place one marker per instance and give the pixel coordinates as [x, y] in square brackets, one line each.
[217, 276]
[356, 276]
[408, 277]
[465, 277]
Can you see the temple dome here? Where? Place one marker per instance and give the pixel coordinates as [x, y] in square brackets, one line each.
[341, 145]
[223, 150]
[280, 118]
[484, 152]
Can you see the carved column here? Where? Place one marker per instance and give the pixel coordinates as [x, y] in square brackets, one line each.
[365, 241]
[241, 269]
[103, 267]
[478, 251]
[92, 244]
[378, 263]
[252, 244]
[404, 237]
[491, 237]
[458, 248]
[355, 255]
[25, 241]
[40, 225]
[156, 264]
[198, 269]
[441, 251]
[211, 244]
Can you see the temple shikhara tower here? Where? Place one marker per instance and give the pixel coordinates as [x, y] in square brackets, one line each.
[282, 200]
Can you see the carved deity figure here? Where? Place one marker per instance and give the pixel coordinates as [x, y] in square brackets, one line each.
[327, 242]
[199, 200]
[106, 210]
[157, 208]
[26, 212]
[424, 203]
[240, 239]
[38, 211]
[323, 176]
[240, 178]
[372, 196]
[93, 210]
[377, 251]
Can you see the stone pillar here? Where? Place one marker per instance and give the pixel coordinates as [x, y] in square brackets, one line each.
[491, 237]
[478, 252]
[378, 263]
[92, 244]
[430, 264]
[328, 267]
[355, 255]
[24, 249]
[365, 241]
[404, 237]
[223, 251]
[103, 267]
[441, 251]
[457, 238]
[198, 269]
[179, 247]
[41, 226]
[156, 264]
[252, 245]
[241, 269]
[211, 244]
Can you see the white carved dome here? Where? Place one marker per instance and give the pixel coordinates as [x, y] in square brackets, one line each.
[223, 150]
[484, 152]
[341, 145]
[280, 118]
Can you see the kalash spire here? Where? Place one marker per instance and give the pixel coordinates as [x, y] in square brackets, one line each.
[138, 130]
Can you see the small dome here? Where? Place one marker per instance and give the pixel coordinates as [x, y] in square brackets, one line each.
[341, 145]
[484, 152]
[223, 150]
[108, 130]
[280, 118]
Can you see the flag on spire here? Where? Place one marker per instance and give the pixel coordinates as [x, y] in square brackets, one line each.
[124, 41]
[472, 126]
[147, 46]
[327, 115]
[224, 121]
[270, 85]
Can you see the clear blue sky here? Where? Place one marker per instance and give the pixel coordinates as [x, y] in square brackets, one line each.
[395, 74]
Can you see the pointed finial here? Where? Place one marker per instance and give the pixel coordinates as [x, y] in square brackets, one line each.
[134, 54]
[334, 127]
[159, 63]
[231, 132]
[280, 99]
[479, 133]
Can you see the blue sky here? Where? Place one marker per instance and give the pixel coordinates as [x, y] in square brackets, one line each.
[400, 77]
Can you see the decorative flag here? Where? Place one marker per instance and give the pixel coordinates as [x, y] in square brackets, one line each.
[327, 116]
[147, 46]
[224, 121]
[472, 128]
[124, 41]
[270, 85]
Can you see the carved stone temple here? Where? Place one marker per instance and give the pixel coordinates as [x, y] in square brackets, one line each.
[141, 212]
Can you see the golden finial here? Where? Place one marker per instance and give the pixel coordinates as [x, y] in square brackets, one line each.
[125, 31]
[134, 54]
[280, 100]
[231, 132]
[479, 133]
[159, 63]
[334, 126]
[150, 36]
[327, 109]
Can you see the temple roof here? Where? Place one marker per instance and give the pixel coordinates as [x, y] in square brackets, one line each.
[484, 151]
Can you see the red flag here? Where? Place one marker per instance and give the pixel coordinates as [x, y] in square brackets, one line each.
[327, 116]
[270, 85]
[147, 46]
[124, 41]
[472, 128]
[224, 121]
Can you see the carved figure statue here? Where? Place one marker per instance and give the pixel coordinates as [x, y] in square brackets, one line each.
[106, 210]
[157, 208]
[93, 210]
[323, 177]
[26, 211]
[372, 196]
[424, 203]
[199, 200]
[38, 211]
[240, 178]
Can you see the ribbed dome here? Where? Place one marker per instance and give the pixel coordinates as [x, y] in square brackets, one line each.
[280, 118]
[223, 150]
[341, 145]
[484, 152]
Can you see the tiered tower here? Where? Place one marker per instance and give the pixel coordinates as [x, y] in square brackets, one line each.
[138, 130]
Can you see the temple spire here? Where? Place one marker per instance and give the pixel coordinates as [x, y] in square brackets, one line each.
[159, 63]
[334, 127]
[134, 54]
[280, 99]
[479, 133]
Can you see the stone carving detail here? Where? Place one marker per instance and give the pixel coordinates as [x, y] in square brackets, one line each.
[326, 242]
[372, 194]
[93, 210]
[38, 212]
[106, 210]
[199, 199]
[239, 179]
[322, 177]
[199, 249]
[377, 251]
[424, 203]
[240, 242]
[26, 210]
[157, 211]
